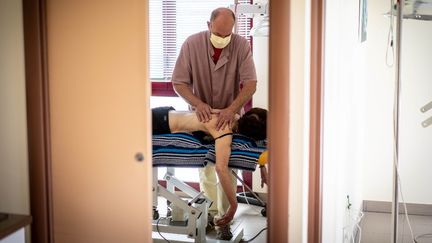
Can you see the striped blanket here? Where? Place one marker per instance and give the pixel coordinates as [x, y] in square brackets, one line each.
[185, 150]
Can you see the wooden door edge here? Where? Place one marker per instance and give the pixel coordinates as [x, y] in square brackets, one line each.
[38, 126]
[316, 81]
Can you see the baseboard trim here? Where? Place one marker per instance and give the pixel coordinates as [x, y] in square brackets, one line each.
[386, 207]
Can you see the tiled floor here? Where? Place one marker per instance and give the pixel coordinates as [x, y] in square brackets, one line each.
[376, 228]
[250, 219]
[252, 222]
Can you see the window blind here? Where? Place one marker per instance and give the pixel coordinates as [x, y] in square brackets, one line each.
[171, 22]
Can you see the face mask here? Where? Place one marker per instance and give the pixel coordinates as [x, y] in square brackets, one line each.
[219, 42]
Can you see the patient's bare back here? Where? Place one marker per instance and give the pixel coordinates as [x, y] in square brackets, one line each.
[187, 121]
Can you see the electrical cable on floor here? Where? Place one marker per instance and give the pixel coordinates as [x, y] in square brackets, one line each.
[157, 228]
[247, 201]
[396, 162]
[253, 238]
[357, 224]
[405, 207]
[352, 226]
[360, 232]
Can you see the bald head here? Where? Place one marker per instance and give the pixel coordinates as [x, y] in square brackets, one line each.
[226, 12]
[221, 22]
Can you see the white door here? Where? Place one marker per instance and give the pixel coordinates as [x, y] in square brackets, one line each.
[99, 117]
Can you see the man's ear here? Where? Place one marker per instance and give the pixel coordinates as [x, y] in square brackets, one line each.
[209, 25]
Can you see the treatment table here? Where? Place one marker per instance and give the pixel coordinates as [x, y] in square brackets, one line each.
[180, 150]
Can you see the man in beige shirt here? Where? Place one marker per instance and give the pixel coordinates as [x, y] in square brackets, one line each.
[215, 70]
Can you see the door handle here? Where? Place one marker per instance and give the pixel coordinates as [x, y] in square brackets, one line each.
[427, 122]
[139, 157]
[427, 107]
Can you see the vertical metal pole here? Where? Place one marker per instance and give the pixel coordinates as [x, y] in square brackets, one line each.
[236, 16]
[395, 211]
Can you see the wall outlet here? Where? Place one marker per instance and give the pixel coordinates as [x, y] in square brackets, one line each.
[348, 204]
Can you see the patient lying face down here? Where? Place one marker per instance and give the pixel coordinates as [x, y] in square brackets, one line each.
[253, 124]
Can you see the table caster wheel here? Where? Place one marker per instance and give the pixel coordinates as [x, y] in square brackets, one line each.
[155, 214]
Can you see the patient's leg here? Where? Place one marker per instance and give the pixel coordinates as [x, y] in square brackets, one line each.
[208, 182]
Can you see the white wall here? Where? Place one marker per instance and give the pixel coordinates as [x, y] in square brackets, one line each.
[261, 97]
[358, 113]
[377, 166]
[416, 91]
[345, 115]
[261, 53]
[299, 111]
[415, 141]
[14, 187]
[261, 58]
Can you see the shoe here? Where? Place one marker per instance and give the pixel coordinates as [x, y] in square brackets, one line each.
[210, 223]
[223, 232]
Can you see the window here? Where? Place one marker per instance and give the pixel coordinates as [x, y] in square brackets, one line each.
[171, 22]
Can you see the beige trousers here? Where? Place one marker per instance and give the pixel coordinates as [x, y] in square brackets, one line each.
[214, 191]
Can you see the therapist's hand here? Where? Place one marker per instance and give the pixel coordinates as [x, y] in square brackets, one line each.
[225, 118]
[203, 112]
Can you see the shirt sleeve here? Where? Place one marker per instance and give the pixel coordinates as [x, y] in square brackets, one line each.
[182, 70]
[247, 67]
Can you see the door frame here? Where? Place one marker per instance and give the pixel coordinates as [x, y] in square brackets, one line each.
[278, 120]
[279, 87]
[315, 123]
[37, 88]
[38, 122]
